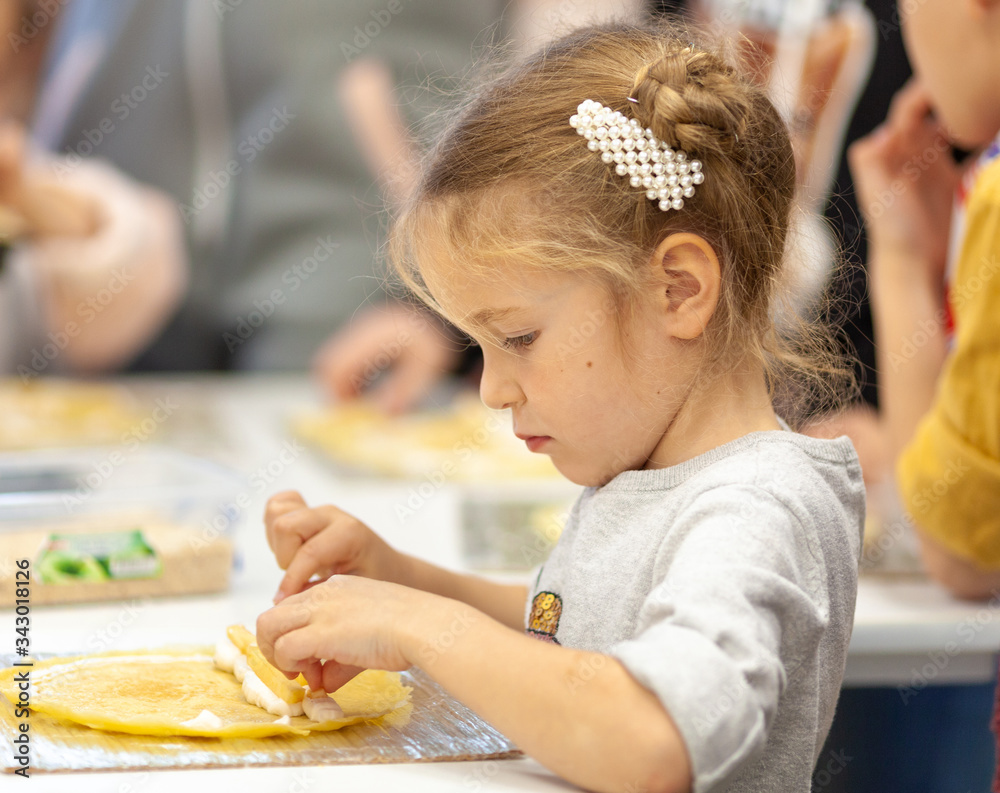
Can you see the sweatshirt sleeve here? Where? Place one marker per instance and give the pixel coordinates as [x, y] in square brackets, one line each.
[949, 474]
[728, 624]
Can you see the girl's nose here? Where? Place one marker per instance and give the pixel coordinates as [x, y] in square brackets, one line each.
[498, 388]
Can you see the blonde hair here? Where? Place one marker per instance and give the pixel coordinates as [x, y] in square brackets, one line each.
[510, 181]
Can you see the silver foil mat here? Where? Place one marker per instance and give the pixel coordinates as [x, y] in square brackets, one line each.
[439, 728]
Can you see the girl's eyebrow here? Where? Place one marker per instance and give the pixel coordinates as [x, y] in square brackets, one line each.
[487, 315]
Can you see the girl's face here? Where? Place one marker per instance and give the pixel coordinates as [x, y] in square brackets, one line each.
[598, 399]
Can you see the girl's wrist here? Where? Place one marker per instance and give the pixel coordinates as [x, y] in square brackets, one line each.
[435, 627]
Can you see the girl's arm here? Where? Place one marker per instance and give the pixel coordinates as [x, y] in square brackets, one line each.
[579, 713]
[503, 602]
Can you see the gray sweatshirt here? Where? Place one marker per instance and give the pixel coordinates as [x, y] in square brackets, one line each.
[725, 585]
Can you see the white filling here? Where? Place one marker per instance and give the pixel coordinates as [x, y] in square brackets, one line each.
[226, 654]
[321, 707]
[206, 720]
[258, 694]
[283, 720]
[241, 667]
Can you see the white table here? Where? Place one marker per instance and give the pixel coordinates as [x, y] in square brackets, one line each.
[906, 631]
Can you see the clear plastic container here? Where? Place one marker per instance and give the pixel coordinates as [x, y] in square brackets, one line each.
[117, 522]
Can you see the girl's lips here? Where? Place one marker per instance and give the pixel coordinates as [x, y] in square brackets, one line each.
[536, 442]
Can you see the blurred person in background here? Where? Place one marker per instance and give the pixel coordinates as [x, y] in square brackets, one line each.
[934, 290]
[73, 239]
[248, 115]
[933, 225]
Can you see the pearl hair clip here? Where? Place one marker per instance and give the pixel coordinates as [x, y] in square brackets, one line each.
[667, 175]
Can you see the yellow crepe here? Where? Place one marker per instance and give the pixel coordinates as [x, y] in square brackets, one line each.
[152, 692]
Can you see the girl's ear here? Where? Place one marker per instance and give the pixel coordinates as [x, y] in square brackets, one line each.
[686, 274]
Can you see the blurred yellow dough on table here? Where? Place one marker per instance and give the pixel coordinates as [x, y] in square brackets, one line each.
[167, 691]
[465, 442]
[50, 412]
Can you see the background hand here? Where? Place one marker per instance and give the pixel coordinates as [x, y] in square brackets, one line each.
[33, 202]
[404, 349]
[906, 180]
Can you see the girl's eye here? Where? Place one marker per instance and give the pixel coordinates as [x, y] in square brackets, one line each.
[519, 342]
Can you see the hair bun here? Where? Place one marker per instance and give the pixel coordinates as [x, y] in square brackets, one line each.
[693, 100]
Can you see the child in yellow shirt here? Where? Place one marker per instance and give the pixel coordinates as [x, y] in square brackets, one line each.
[935, 285]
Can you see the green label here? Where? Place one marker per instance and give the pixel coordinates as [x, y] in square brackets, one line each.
[92, 558]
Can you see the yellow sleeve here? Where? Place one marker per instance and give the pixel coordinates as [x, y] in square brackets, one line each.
[949, 474]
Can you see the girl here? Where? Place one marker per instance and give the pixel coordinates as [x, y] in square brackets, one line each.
[695, 615]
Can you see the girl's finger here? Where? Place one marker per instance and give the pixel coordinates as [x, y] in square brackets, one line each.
[278, 621]
[294, 651]
[298, 651]
[324, 554]
[282, 502]
[278, 505]
[336, 675]
[291, 530]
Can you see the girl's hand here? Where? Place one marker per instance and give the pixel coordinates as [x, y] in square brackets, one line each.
[906, 178]
[323, 541]
[344, 625]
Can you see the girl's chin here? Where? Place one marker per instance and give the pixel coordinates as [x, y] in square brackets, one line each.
[583, 475]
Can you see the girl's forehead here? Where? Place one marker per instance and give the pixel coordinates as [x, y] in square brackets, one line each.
[475, 286]
[477, 297]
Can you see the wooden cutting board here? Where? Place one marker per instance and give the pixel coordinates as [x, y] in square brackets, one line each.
[439, 728]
